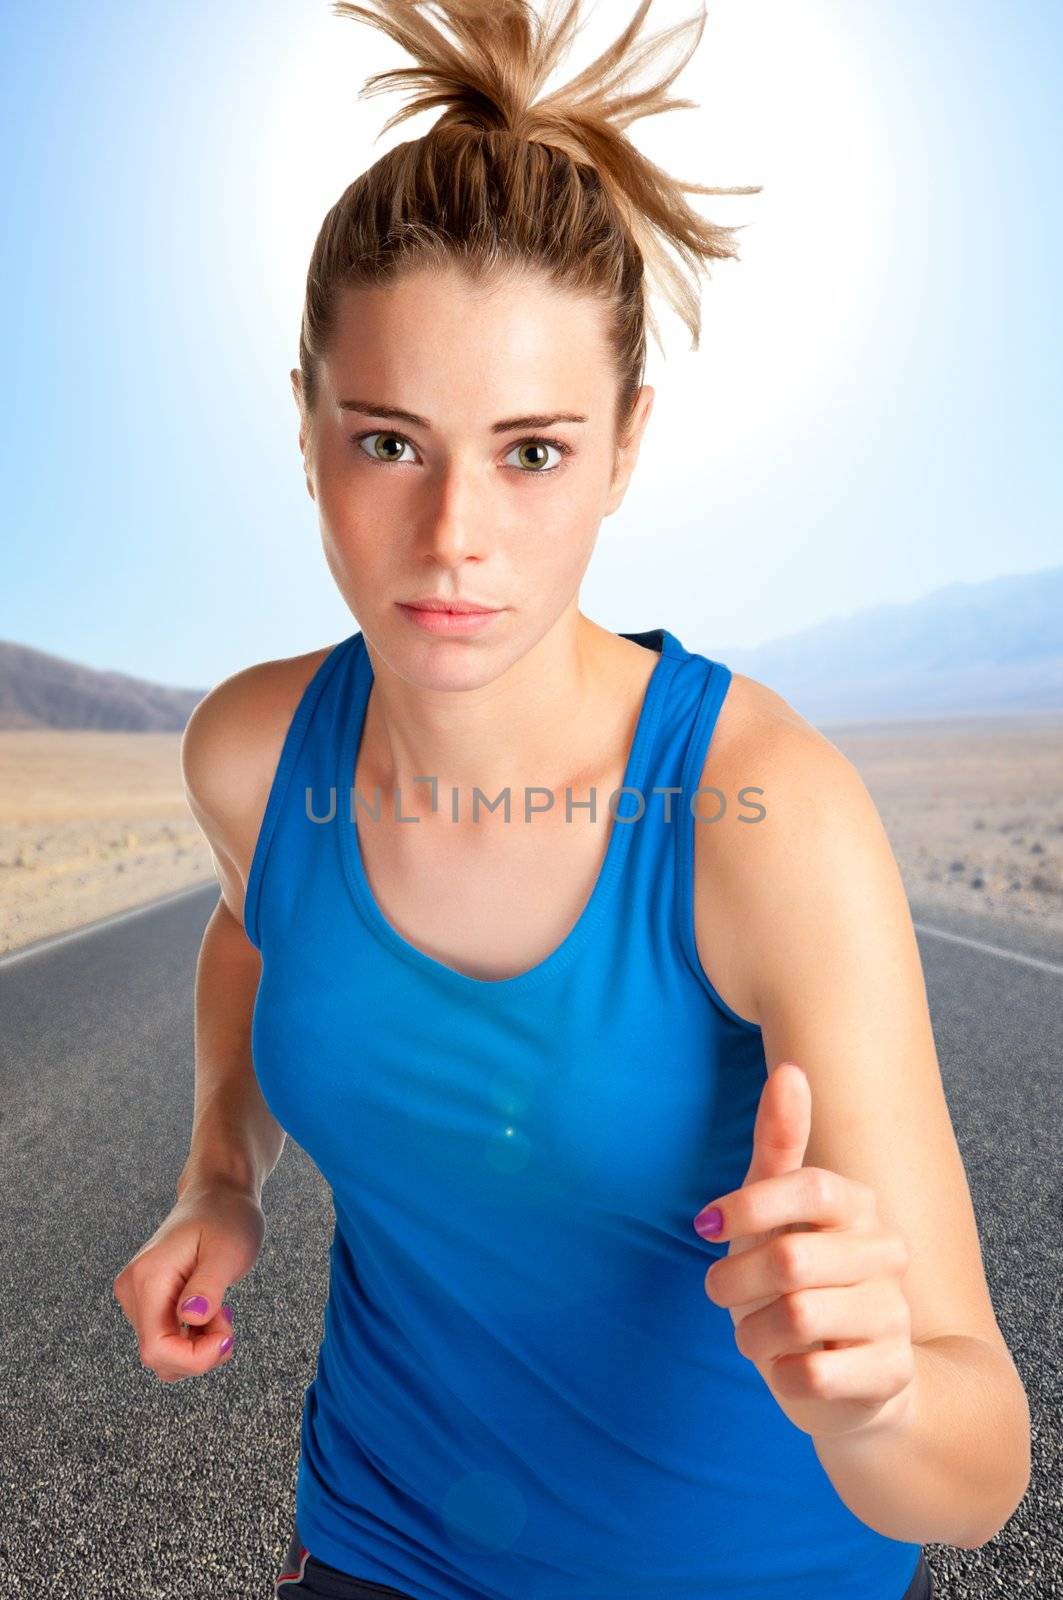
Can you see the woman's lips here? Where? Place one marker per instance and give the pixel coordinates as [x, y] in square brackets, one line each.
[448, 622]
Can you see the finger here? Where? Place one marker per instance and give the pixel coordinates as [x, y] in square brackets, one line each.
[866, 1376]
[171, 1374]
[807, 1197]
[221, 1322]
[225, 1310]
[860, 1313]
[164, 1344]
[783, 1123]
[213, 1334]
[200, 1302]
[201, 1296]
[189, 1355]
[793, 1261]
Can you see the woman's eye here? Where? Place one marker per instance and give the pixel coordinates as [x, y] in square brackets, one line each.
[374, 453]
[536, 467]
[386, 448]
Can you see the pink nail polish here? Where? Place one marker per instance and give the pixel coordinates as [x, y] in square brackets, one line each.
[227, 1313]
[709, 1223]
[226, 1344]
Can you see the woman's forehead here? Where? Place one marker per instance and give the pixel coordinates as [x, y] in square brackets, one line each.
[435, 356]
[526, 317]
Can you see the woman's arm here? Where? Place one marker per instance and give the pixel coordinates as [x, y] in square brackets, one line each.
[834, 966]
[228, 753]
[235, 1137]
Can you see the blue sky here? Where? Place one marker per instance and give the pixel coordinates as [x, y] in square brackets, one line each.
[874, 410]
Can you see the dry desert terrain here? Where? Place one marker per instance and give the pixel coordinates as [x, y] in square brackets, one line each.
[94, 823]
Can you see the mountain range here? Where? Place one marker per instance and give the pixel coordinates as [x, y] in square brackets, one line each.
[38, 690]
[966, 649]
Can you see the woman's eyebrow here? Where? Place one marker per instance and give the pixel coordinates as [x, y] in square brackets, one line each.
[395, 414]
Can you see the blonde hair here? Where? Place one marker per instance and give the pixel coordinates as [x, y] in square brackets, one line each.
[504, 182]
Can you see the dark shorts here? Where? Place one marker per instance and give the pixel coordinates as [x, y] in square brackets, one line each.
[922, 1584]
[303, 1574]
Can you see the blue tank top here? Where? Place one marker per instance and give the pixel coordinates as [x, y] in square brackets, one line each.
[522, 1390]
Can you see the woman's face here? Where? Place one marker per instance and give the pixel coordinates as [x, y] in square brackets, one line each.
[447, 502]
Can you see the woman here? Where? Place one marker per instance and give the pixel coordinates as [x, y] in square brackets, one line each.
[523, 1026]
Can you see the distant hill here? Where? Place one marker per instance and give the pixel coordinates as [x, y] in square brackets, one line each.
[38, 690]
[994, 647]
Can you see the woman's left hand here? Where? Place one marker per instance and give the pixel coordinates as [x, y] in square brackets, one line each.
[812, 1278]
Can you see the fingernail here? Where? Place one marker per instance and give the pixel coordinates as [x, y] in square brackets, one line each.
[196, 1304]
[227, 1313]
[709, 1223]
[226, 1344]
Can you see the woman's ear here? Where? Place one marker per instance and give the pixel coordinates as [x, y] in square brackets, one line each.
[627, 452]
[296, 378]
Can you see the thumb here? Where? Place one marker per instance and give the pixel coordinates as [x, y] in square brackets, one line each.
[202, 1296]
[783, 1125]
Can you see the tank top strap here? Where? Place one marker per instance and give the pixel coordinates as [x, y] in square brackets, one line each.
[714, 680]
[303, 781]
[691, 705]
[688, 709]
[659, 893]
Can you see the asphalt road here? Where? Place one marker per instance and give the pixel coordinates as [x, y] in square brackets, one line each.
[117, 1485]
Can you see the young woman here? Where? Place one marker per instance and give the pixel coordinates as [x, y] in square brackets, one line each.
[475, 953]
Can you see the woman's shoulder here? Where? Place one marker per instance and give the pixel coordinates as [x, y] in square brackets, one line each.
[759, 730]
[230, 749]
[782, 781]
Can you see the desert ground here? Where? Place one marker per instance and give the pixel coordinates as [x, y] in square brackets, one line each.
[94, 823]
[973, 808]
[90, 824]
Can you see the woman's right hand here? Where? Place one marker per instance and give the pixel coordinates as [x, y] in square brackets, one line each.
[210, 1240]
